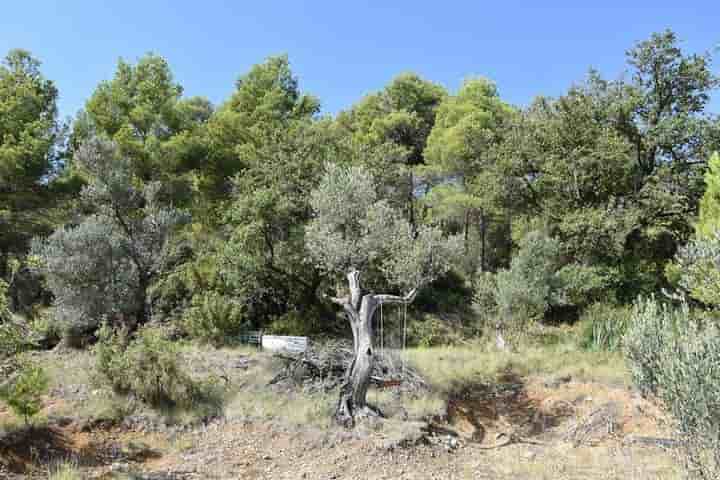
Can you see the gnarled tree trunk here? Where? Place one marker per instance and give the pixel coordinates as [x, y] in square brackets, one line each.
[360, 309]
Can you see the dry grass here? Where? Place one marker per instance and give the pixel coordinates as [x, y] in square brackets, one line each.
[253, 399]
[565, 463]
[448, 367]
[445, 368]
[391, 402]
[66, 470]
[74, 367]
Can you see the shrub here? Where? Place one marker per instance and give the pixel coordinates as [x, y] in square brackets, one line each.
[697, 269]
[23, 394]
[584, 284]
[674, 353]
[432, 331]
[214, 318]
[524, 292]
[21, 382]
[291, 323]
[64, 471]
[448, 293]
[653, 329]
[146, 366]
[604, 326]
[5, 313]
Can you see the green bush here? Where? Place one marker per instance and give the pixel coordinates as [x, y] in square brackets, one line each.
[12, 342]
[448, 293]
[21, 383]
[146, 366]
[604, 326]
[290, 323]
[514, 297]
[23, 393]
[674, 353]
[4, 303]
[214, 318]
[431, 331]
[584, 284]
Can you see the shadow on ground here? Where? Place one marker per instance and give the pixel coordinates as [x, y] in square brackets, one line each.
[35, 447]
[482, 411]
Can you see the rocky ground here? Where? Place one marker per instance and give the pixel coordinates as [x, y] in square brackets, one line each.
[515, 428]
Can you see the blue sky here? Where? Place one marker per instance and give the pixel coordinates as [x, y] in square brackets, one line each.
[343, 50]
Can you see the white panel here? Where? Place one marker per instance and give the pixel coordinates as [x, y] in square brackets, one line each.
[283, 343]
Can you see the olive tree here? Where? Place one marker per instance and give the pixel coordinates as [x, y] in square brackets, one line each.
[355, 231]
[102, 267]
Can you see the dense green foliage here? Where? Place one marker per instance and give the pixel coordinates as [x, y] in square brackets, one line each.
[148, 366]
[32, 188]
[24, 393]
[462, 170]
[220, 218]
[22, 383]
[531, 285]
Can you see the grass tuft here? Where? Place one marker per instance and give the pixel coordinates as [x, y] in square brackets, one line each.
[66, 470]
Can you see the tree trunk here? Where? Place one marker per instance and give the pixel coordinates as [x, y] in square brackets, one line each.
[353, 394]
[360, 310]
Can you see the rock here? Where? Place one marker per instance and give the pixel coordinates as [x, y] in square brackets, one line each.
[60, 420]
[403, 434]
[556, 382]
[119, 467]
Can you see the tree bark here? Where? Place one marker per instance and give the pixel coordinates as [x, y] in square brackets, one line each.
[360, 310]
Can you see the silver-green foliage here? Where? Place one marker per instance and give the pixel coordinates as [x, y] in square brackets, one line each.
[654, 327]
[102, 267]
[89, 273]
[355, 229]
[674, 353]
[531, 285]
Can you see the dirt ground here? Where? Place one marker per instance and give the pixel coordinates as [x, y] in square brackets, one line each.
[515, 428]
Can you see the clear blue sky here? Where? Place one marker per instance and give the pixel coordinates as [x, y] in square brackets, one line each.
[343, 50]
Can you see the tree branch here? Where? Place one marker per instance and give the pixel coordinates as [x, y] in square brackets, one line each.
[355, 290]
[342, 301]
[407, 299]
